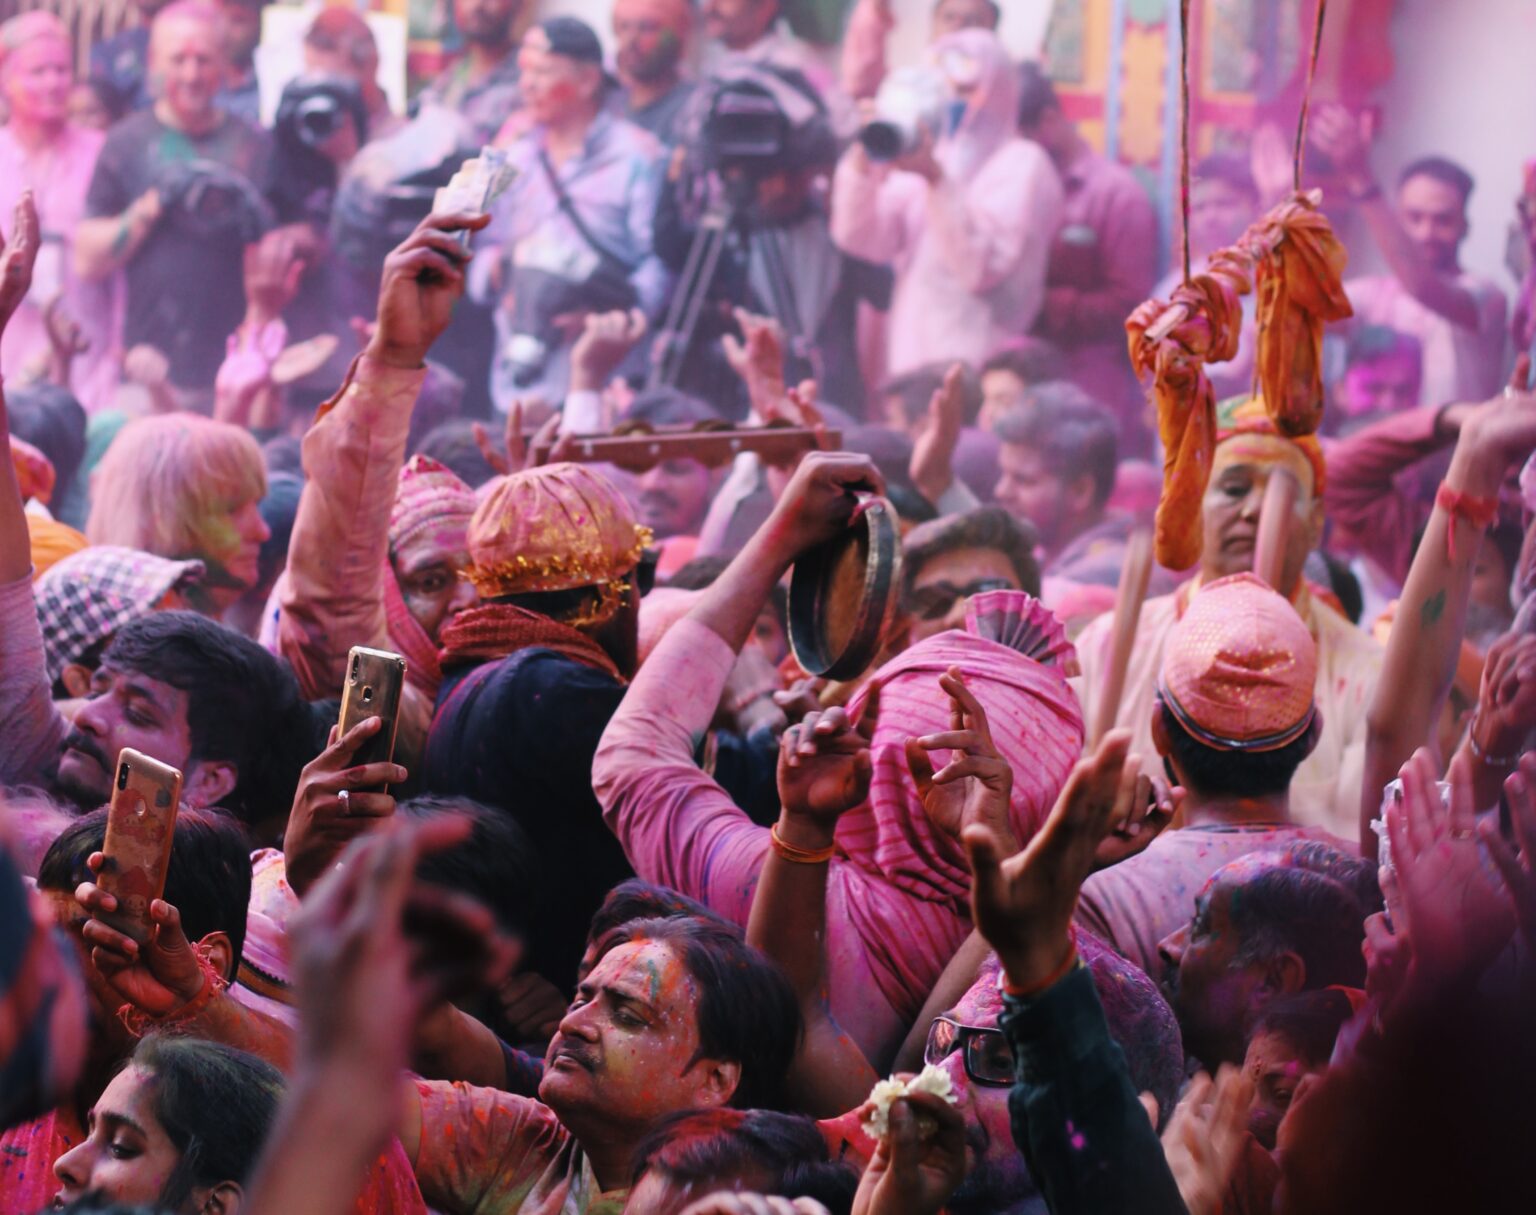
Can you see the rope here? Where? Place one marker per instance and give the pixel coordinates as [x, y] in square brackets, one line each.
[1184, 127]
[1306, 98]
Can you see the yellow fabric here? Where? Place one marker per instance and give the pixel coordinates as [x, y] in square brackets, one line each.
[52, 541]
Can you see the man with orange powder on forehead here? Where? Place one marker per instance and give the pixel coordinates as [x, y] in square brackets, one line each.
[1326, 788]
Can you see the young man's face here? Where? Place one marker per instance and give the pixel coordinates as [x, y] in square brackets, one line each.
[1276, 1067]
[674, 497]
[125, 709]
[242, 26]
[1434, 215]
[1218, 214]
[944, 584]
[626, 1052]
[651, 36]
[1028, 489]
[1377, 388]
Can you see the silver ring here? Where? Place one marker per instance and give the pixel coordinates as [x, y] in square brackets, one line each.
[345, 798]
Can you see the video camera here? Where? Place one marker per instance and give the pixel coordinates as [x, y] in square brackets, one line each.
[758, 120]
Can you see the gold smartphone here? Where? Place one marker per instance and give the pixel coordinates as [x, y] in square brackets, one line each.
[374, 685]
[140, 823]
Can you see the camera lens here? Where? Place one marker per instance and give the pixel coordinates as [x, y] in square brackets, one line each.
[882, 140]
[317, 119]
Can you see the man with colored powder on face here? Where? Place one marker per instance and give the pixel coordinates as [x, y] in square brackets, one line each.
[675, 1015]
[1383, 371]
[1326, 789]
[483, 85]
[949, 559]
[1235, 716]
[184, 272]
[653, 36]
[377, 550]
[1458, 317]
[573, 234]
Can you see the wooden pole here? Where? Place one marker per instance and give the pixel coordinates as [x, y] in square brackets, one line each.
[1134, 575]
[1276, 516]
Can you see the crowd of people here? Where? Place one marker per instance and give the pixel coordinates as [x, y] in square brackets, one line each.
[1214, 897]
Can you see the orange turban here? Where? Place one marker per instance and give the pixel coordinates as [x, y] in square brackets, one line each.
[51, 541]
[34, 471]
[1246, 417]
[553, 528]
[1240, 669]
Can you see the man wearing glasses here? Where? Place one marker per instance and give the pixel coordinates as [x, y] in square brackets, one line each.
[947, 561]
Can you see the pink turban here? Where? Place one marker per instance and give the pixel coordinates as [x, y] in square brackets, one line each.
[429, 496]
[1240, 668]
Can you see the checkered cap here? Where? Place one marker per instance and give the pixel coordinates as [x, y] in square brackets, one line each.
[88, 596]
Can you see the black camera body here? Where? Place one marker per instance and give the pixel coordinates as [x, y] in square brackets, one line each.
[755, 120]
[214, 202]
[315, 106]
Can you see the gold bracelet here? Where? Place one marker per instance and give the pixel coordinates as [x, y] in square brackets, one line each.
[799, 856]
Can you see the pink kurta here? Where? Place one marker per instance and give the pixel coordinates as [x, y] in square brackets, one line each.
[896, 893]
[58, 177]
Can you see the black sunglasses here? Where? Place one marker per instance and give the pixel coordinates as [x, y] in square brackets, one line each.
[987, 1056]
[934, 602]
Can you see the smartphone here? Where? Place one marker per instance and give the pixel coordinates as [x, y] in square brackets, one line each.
[375, 682]
[140, 823]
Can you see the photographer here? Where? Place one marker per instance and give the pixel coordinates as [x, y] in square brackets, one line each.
[760, 144]
[964, 210]
[176, 195]
[572, 235]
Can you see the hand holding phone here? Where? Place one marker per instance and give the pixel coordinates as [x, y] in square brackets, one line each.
[137, 851]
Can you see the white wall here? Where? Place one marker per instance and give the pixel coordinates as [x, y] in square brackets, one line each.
[1464, 88]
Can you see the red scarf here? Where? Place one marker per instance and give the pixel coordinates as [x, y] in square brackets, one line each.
[410, 640]
[494, 630]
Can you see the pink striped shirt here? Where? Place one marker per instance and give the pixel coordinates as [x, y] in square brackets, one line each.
[896, 893]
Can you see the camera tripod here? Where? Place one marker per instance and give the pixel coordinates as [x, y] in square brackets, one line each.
[729, 217]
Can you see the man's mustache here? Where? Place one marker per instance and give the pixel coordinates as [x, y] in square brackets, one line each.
[76, 741]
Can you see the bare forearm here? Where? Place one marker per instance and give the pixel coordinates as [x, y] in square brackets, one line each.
[956, 980]
[1426, 636]
[1430, 288]
[789, 909]
[731, 604]
[104, 246]
[466, 1050]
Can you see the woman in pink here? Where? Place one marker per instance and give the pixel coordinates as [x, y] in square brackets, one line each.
[42, 151]
[967, 222]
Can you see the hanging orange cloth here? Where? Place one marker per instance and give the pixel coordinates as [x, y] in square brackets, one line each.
[1299, 277]
[1183, 397]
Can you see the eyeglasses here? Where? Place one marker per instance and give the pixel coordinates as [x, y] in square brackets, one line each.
[934, 602]
[988, 1057]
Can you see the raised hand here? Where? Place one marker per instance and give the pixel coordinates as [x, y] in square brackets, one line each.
[976, 784]
[820, 499]
[1518, 869]
[824, 762]
[1204, 1139]
[331, 806]
[273, 267]
[532, 1006]
[66, 340]
[1153, 807]
[159, 977]
[605, 342]
[933, 449]
[17, 258]
[1454, 914]
[516, 453]
[1506, 709]
[423, 279]
[758, 358]
[913, 1172]
[1023, 905]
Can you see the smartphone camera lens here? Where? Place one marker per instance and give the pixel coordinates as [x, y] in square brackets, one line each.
[367, 694]
[122, 776]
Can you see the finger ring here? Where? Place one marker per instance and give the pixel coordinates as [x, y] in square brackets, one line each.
[345, 798]
[1460, 833]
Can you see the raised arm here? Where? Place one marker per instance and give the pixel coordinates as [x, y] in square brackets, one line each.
[824, 771]
[1337, 133]
[333, 597]
[1076, 1117]
[1431, 618]
[34, 729]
